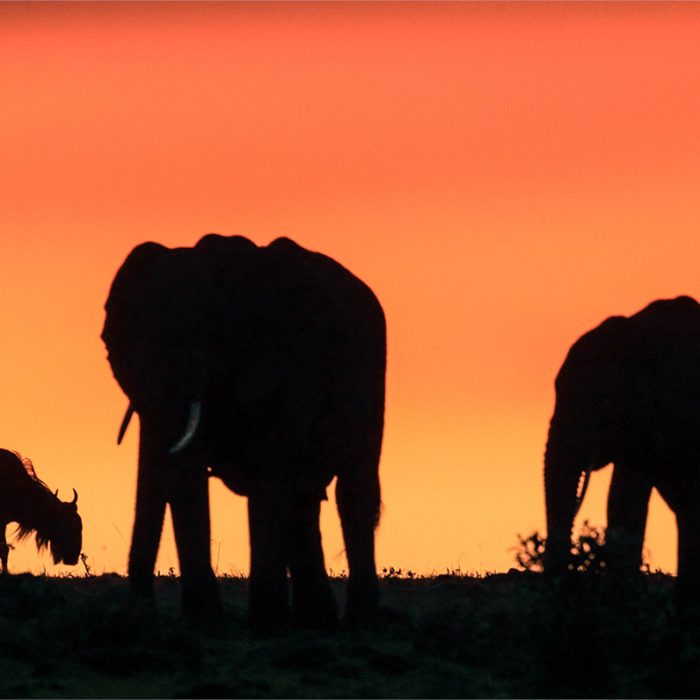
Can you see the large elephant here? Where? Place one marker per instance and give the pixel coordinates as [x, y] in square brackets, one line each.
[265, 367]
[628, 393]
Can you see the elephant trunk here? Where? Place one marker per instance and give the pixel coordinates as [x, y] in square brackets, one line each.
[565, 483]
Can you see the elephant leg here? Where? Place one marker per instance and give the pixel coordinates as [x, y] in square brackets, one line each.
[4, 548]
[313, 604]
[688, 581]
[268, 520]
[189, 504]
[148, 523]
[628, 504]
[358, 504]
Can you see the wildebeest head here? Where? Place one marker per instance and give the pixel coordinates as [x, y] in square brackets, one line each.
[64, 535]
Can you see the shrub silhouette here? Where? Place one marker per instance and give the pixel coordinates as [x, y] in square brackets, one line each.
[587, 552]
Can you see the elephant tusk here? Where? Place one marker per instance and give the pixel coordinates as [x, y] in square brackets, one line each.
[125, 423]
[579, 496]
[192, 425]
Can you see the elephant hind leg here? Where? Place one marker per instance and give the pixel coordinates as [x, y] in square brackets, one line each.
[268, 520]
[313, 605]
[358, 498]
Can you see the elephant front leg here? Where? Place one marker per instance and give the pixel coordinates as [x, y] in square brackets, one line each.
[148, 525]
[268, 518]
[189, 504]
[313, 604]
[688, 581]
[628, 504]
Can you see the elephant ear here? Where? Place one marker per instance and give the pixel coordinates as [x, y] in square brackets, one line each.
[597, 360]
[130, 286]
[125, 320]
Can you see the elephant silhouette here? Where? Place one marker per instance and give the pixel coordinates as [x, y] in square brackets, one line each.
[628, 393]
[264, 367]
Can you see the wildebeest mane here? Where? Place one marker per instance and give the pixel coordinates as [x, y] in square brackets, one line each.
[24, 530]
[31, 471]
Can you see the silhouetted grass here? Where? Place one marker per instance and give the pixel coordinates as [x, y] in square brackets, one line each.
[502, 635]
[587, 551]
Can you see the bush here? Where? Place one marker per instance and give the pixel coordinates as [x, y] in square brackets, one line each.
[587, 550]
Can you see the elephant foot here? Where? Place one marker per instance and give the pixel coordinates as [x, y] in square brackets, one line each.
[206, 624]
[201, 605]
[141, 588]
[362, 610]
[208, 619]
[687, 605]
[269, 610]
[315, 610]
[361, 618]
[557, 561]
[269, 623]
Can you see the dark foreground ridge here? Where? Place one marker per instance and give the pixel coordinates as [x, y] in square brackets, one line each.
[505, 635]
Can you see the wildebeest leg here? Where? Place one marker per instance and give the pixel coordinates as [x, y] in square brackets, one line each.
[312, 599]
[628, 504]
[358, 498]
[268, 519]
[4, 548]
[148, 522]
[189, 504]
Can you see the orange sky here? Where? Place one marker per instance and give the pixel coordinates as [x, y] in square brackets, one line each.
[504, 176]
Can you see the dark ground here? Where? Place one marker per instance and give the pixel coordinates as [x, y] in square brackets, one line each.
[505, 635]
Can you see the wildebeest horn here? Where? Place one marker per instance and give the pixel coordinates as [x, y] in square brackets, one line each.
[125, 423]
[75, 498]
[190, 430]
[55, 493]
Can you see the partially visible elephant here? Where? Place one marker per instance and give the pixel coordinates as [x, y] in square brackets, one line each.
[628, 393]
[265, 367]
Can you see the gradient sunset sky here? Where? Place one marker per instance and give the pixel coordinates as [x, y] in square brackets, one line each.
[504, 177]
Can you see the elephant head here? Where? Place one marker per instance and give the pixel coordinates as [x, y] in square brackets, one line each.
[600, 415]
[158, 335]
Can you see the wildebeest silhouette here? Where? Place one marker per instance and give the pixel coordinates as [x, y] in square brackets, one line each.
[265, 367]
[28, 501]
[629, 393]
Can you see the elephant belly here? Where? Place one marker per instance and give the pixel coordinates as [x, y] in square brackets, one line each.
[235, 479]
[265, 441]
[243, 481]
